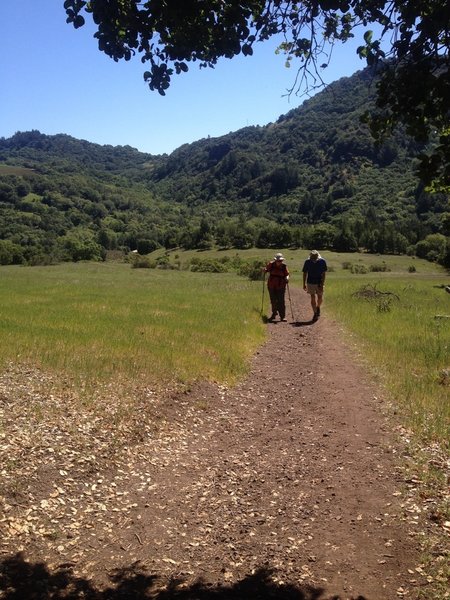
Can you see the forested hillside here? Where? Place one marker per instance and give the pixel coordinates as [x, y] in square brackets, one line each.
[313, 178]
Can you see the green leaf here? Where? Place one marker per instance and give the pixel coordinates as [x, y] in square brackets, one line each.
[78, 22]
[361, 51]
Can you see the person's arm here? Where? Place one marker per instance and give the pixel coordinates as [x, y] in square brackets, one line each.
[322, 277]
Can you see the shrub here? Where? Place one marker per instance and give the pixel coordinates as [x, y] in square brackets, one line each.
[346, 265]
[40, 259]
[163, 262]
[10, 254]
[412, 269]
[251, 269]
[384, 304]
[79, 244]
[433, 247]
[208, 265]
[142, 262]
[379, 268]
[146, 246]
[359, 269]
[224, 260]
[235, 262]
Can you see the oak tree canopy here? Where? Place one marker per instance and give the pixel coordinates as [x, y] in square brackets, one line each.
[410, 53]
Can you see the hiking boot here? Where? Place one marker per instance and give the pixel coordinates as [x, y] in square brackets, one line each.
[283, 319]
[272, 317]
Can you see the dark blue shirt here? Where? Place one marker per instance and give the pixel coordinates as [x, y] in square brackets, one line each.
[314, 270]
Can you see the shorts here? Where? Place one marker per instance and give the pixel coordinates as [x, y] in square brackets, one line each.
[314, 288]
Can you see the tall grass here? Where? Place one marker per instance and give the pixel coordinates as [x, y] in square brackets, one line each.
[407, 340]
[105, 321]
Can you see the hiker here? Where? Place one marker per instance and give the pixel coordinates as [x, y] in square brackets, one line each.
[314, 270]
[276, 284]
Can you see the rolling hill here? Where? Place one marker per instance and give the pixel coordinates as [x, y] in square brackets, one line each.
[312, 178]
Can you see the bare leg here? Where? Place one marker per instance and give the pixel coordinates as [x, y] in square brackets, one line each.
[319, 300]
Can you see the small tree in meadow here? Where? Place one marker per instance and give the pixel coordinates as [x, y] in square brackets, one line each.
[433, 247]
[10, 253]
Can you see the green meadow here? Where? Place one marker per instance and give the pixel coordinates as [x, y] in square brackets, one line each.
[98, 321]
[106, 321]
[12, 170]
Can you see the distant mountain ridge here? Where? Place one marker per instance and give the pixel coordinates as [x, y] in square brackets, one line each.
[325, 133]
[42, 149]
[312, 178]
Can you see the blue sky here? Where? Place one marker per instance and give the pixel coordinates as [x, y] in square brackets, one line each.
[54, 79]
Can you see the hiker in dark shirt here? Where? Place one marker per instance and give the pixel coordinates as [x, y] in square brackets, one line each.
[276, 284]
[314, 270]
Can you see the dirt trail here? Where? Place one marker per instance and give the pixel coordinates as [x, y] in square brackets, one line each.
[286, 486]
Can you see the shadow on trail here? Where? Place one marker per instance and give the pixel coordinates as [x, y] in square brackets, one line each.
[294, 323]
[22, 580]
[304, 323]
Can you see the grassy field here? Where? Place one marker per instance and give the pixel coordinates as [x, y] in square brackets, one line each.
[11, 170]
[102, 321]
[295, 258]
[109, 321]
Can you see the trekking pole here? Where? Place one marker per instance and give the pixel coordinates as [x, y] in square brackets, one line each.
[290, 301]
[264, 285]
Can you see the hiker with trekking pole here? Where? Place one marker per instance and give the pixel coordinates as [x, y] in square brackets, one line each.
[276, 285]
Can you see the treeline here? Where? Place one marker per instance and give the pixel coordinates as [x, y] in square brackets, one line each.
[54, 217]
[50, 219]
[312, 179]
